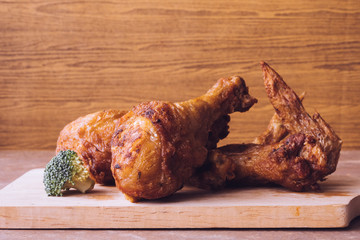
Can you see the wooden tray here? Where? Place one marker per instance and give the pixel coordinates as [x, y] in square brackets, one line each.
[24, 204]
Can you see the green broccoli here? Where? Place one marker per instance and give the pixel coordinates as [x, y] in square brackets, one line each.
[65, 171]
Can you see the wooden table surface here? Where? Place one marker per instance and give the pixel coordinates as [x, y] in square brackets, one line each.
[15, 163]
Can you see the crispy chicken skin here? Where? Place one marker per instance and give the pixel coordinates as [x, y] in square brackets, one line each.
[90, 136]
[296, 151]
[275, 130]
[157, 145]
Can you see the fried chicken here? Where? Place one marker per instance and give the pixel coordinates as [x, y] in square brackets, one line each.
[296, 151]
[275, 130]
[157, 146]
[90, 136]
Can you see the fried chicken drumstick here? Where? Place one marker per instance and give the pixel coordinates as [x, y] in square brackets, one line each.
[90, 136]
[157, 146]
[296, 151]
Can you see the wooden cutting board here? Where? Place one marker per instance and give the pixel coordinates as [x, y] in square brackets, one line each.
[24, 204]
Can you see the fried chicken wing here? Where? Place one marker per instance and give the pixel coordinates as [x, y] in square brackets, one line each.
[275, 131]
[296, 151]
[157, 145]
[90, 136]
[289, 108]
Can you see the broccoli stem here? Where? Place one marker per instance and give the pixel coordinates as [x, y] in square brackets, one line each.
[83, 186]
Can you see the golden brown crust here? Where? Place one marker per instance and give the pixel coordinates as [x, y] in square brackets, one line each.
[157, 145]
[252, 164]
[144, 134]
[296, 151]
[275, 131]
[289, 108]
[89, 136]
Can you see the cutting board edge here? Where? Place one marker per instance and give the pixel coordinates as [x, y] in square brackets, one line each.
[353, 209]
[195, 217]
[165, 216]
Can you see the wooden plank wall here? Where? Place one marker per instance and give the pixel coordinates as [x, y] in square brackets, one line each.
[62, 59]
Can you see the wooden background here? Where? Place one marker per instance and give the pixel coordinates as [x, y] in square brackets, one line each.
[63, 59]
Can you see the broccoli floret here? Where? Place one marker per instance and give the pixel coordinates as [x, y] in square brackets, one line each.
[65, 171]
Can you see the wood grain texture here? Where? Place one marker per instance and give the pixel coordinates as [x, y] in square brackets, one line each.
[190, 207]
[63, 59]
[12, 164]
